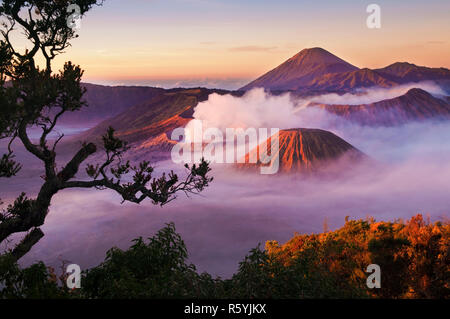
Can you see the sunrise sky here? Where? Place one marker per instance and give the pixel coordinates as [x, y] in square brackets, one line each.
[225, 43]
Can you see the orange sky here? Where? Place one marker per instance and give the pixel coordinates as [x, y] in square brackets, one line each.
[138, 42]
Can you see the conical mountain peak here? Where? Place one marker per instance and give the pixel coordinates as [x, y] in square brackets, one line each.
[301, 70]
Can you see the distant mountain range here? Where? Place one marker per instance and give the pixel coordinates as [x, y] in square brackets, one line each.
[415, 105]
[316, 69]
[146, 116]
[310, 72]
[107, 101]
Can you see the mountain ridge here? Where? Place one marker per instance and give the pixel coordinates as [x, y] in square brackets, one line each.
[316, 69]
[414, 105]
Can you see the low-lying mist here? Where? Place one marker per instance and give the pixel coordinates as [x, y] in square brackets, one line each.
[239, 211]
[375, 94]
[258, 108]
[410, 174]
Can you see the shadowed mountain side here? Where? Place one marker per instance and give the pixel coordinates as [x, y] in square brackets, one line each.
[349, 80]
[304, 151]
[105, 102]
[403, 72]
[144, 124]
[415, 105]
[154, 149]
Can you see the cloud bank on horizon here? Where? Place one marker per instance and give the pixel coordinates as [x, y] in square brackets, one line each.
[260, 109]
[376, 94]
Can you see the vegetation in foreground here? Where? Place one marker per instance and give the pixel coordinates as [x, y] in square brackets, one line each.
[32, 96]
[413, 256]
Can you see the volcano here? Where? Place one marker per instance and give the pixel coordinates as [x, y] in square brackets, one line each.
[305, 150]
[317, 70]
[302, 69]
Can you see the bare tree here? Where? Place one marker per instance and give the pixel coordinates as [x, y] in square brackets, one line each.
[35, 97]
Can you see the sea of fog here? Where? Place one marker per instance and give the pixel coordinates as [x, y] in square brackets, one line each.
[410, 174]
[237, 212]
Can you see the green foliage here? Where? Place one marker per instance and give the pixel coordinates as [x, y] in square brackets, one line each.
[262, 275]
[21, 204]
[34, 282]
[111, 143]
[156, 269]
[8, 167]
[413, 259]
